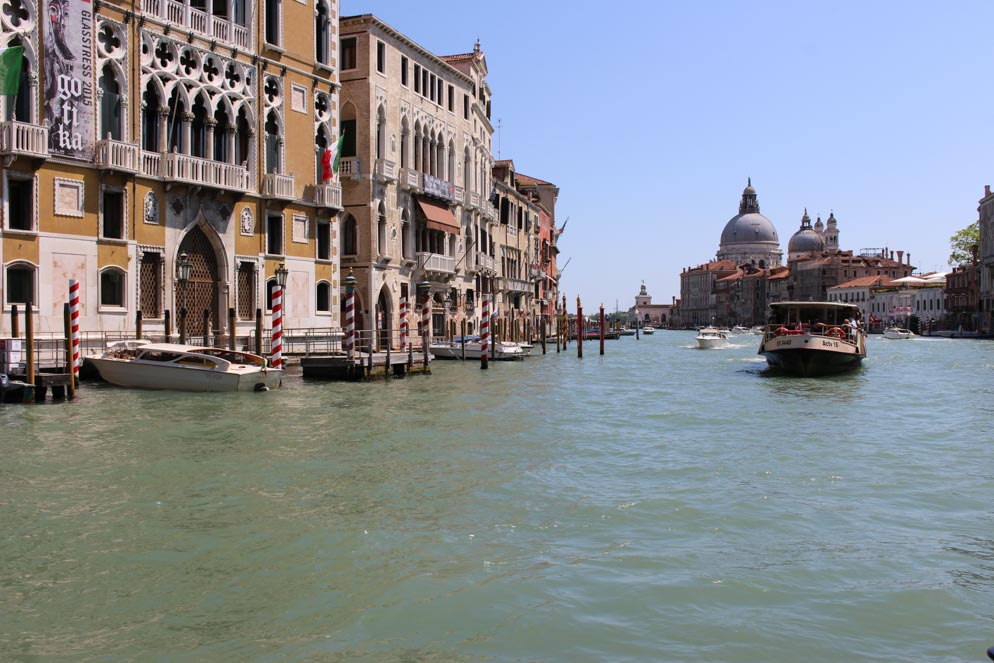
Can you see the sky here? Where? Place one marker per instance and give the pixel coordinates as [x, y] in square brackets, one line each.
[650, 116]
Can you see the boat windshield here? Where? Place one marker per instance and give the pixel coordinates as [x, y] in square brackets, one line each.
[233, 356]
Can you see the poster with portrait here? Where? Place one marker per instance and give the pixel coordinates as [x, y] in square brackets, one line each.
[68, 75]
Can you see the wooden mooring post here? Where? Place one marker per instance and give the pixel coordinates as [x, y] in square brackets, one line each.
[602, 329]
[258, 331]
[579, 328]
[231, 328]
[15, 330]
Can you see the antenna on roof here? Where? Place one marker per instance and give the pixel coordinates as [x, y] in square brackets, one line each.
[498, 137]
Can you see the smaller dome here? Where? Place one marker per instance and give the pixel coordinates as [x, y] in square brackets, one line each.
[806, 239]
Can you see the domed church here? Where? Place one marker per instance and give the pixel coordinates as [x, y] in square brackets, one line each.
[819, 239]
[749, 237]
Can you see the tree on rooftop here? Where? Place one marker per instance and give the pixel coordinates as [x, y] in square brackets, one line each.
[965, 245]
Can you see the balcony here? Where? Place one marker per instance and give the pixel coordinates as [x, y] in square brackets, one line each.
[348, 167]
[328, 195]
[486, 263]
[385, 171]
[506, 284]
[194, 171]
[280, 187]
[410, 179]
[437, 264]
[472, 199]
[115, 155]
[20, 139]
[181, 15]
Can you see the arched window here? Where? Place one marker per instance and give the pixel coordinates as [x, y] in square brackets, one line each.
[450, 168]
[177, 111]
[350, 236]
[320, 145]
[198, 129]
[243, 138]
[19, 107]
[112, 287]
[110, 105]
[270, 284]
[405, 137]
[381, 231]
[272, 143]
[381, 133]
[321, 33]
[150, 118]
[323, 302]
[221, 126]
[405, 238]
[20, 283]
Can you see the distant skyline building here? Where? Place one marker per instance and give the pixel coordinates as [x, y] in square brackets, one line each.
[749, 237]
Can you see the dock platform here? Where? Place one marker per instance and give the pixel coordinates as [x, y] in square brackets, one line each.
[364, 366]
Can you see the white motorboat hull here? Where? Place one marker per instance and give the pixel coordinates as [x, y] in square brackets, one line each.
[125, 373]
[898, 334]
[709, 343]
[498, 352]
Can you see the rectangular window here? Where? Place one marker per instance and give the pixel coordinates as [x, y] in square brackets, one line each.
[246, 291]
[431, 87]
[20, 285]
[348, 53]
[381, 57]
[113, 214]
[424, 82]
[403, 71]
[273, 11]
[417, 78]
[274, 234]
[150, 285]
[465, 107]
[20, 204]
[452, 99]
[324, 241]
[348, 145]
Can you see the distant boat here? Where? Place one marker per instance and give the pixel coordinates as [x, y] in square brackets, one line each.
[625, 331]
[711, 337]
[898, 333]
[813, 338]
[499, 351]
[648, 329]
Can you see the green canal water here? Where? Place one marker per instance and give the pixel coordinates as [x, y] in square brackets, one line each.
[660, 503]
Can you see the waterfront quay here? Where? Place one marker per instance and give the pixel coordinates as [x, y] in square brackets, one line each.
[657, 503]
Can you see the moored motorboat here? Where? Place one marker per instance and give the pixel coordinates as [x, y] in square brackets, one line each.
[813, 338]
[711, 337]
[179, 367]
[498, 351]
[625, 331]
[648, 329]
[898, 333]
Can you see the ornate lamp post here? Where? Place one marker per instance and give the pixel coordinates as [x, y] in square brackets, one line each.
[183, 269]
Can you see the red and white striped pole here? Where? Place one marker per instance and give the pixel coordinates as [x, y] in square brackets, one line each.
[426, 318]
[403, 324]
[74, 322]
[277, 353]
[485, 332]
[350, 317]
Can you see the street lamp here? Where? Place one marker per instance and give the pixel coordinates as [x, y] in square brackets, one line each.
[183, 269]
[281, 274]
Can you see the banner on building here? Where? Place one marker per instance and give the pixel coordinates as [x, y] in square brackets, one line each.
[68, 72]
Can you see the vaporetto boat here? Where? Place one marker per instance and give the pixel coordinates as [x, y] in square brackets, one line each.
[172, 366]
[813, 338]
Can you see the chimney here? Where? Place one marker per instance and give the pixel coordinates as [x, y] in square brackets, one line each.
[891, 255]
[909, 258]
[900, 257]
[987, 190]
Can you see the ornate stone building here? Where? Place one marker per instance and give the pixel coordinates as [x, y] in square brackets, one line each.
[143, 131]
[749, 237]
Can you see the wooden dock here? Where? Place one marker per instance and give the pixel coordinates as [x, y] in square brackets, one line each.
[364, 366]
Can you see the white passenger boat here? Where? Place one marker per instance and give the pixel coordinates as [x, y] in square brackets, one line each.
[499, 351]
[177, 367]
[711, 337]
[813, 338]
[898, 333]
[648, 329]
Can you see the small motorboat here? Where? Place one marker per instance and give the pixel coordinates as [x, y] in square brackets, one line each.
[171, 366]
[499, 351]
[711, 337]
[898, 333]
[648, 329]
[626, 331]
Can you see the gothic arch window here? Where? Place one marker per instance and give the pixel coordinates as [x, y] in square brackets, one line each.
[450, 168]
[405, 137]
[151, 101]
[467, 170]
[20, 28]
[223, 130]
[381, 230]
[198, 128]
[350, 236]
[322, 131]
[176, 121]
[406, 237]
[322, 33]
[110, 104]
[273, 143]
[243, 138]
[417, 147]
[381, 133]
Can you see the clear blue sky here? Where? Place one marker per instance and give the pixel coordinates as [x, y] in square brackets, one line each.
[649, 116]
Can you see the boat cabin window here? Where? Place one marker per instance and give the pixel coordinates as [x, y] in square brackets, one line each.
[158, 355]
[193, 360]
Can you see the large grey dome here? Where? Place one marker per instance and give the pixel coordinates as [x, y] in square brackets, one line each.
[806, 239]
[749, 237]
[751, 227]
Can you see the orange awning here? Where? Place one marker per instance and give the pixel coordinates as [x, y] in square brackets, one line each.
[439, 217]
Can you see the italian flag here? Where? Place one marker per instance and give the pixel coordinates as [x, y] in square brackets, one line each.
[10, 69]
[331, 159]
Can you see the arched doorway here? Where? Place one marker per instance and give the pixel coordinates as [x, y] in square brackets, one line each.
[201, 292]
[383, 316]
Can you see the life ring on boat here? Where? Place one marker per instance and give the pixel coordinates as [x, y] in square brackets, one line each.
[837, 332]
[780, 331]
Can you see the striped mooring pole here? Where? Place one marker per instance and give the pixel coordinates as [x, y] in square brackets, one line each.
[403, 324]
[74, 325]
[277, 353]
[350, 323]
[485, 333]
